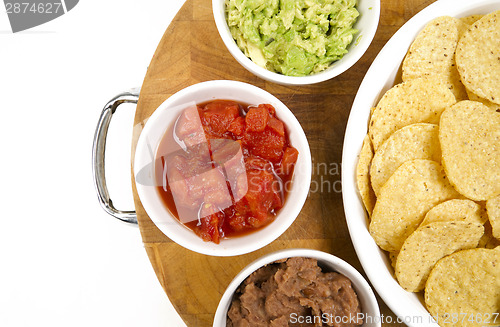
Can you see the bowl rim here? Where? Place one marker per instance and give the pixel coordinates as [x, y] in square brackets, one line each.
[378, 79]
[361, 42]
[333, 262]
[146, 151]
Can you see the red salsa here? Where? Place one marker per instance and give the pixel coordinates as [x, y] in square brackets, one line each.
[224, 167]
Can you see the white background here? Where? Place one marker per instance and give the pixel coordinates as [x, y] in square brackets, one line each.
[63, 260]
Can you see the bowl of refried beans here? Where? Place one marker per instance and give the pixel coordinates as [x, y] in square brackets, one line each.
[298, 287]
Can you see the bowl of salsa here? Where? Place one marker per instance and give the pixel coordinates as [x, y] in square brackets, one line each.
[222, 168]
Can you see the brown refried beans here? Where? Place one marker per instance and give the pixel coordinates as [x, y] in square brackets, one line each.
[295, 292]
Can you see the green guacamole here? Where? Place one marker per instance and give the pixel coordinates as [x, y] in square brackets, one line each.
[292, 37]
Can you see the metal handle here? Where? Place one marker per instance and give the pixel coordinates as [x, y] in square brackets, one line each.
[98, 152]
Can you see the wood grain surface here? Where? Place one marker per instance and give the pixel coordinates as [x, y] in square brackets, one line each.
[191, 51]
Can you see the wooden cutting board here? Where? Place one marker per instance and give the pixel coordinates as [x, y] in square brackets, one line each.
[191, 51]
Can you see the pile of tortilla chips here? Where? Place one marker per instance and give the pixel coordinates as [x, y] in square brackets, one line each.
[429, 170]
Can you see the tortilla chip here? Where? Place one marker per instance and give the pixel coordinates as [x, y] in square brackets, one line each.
[456, 210]
[488, 241]
[363, 175]
[465, 285]
[493, 209]
[471, 19]
[433, 53]
[469, 133]
[393, 256]
[474, 97]
[421, 100]
[429, 243]
[416, 141]
[478, 57]
[414, 188]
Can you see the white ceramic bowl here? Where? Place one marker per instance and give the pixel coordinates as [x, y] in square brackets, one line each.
[152, 134]
[369, 305]
[379, 78]
[366, 24]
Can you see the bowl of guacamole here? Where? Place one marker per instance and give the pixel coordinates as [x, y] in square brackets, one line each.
[296, 41]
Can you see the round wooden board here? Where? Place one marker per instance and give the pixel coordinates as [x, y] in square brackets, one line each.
[191, 51]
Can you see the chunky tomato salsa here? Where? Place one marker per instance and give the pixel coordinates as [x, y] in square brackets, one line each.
[224, 168]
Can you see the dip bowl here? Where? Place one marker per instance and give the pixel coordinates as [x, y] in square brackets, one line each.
[366, 25]
[383, 74]
[369, 306]
[147, 185]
